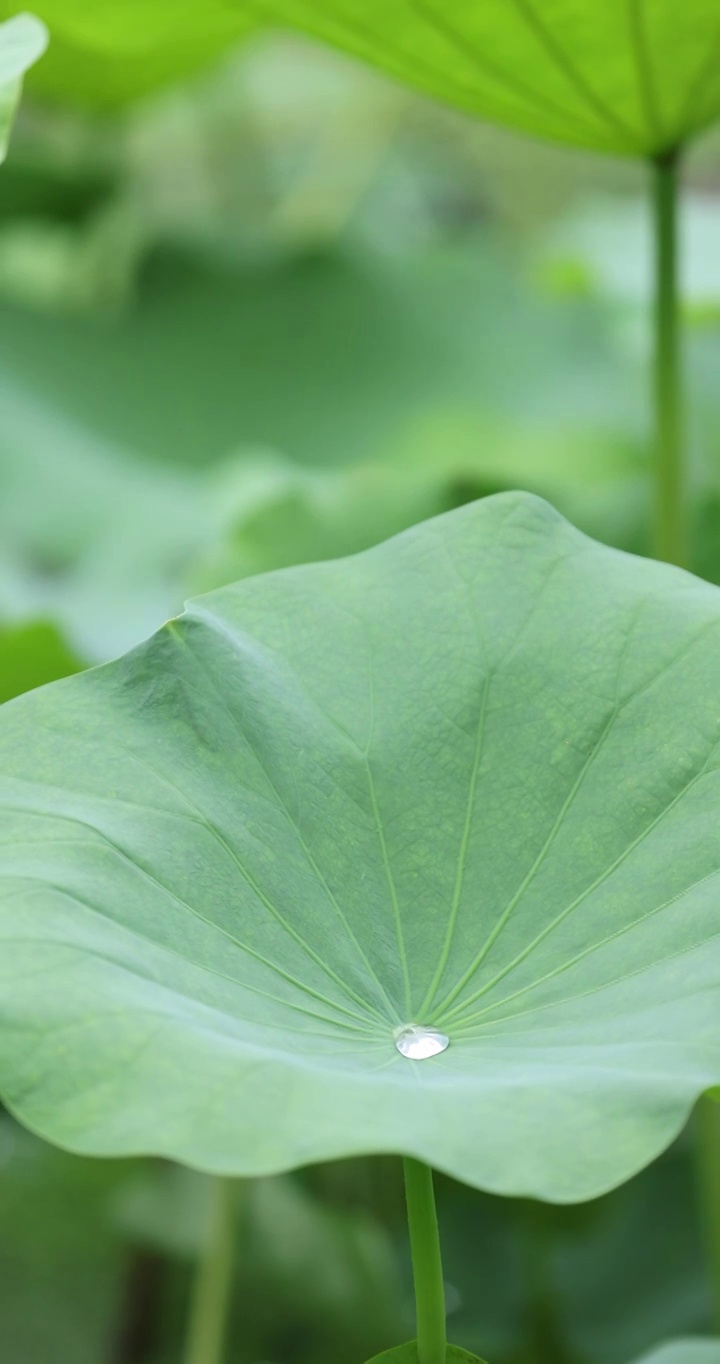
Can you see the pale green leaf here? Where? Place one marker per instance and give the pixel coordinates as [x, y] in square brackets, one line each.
[694, 1350]
[23, 40]
[627, 76]
[469, 778]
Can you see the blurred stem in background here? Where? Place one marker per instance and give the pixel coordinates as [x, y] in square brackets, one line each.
[670, 471]
[544, 1318]
[427, 1262]
[211, 1297]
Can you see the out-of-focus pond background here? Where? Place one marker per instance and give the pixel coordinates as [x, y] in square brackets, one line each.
[276, 313]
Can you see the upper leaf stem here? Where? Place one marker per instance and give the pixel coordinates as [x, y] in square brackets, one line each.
[671, 544]
[670, 473]
[427, 1262]
[211, 1298]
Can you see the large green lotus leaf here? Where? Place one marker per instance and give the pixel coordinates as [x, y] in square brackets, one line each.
[691, 1351]
[23, 40]
[468, 778]
[407, 1354]
[627, 76]
[113, 50]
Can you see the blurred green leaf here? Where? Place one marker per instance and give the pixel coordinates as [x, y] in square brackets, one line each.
[23, 39]
[353, 1294]
[424, 383]
[497, 1258]
[690, 1351]
[653, 1274]
[207, 359]
[31, 655]
[276, 514]
[634, 79]
[61, 1261]
[166, 1208]
[103, 549]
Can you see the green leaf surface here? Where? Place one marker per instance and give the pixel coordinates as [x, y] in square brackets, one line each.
[468, 779]
[23, 40]
[691, 1351]
[110, 51]
[627, 76]
[407, 1354]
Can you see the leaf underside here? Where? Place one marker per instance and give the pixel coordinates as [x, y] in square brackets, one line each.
[467, 779]
[626, 76]
[111, 51]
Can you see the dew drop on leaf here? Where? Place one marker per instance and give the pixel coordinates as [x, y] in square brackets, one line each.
[418, 1043]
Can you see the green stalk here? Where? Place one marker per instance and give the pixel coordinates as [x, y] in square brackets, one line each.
[427, 1262]
[671, 545]
[211, 1296]
[670, 492]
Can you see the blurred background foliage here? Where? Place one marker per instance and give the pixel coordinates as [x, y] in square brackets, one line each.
[275, 312]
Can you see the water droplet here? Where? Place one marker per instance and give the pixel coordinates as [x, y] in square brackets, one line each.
[418, 1043]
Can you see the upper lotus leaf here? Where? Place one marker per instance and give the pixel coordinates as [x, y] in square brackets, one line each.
[109, 51]
[634, 77]
[469, 779]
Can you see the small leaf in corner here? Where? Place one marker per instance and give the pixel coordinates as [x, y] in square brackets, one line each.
[407, 1354]
[23, 40]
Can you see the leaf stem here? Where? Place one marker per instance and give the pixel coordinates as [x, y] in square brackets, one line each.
[211, 1295]
[670, 493]
[671, 545]
[707, 1165]
[427, 1262]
